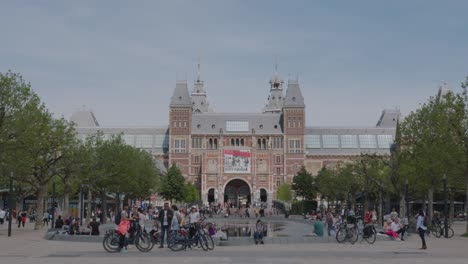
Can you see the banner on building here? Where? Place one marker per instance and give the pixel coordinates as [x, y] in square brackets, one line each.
[237, 161]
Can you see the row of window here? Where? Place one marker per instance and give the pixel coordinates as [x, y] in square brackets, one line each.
[160, 141]
[348, 141]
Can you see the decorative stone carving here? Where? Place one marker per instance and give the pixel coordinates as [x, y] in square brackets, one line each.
[212, 166]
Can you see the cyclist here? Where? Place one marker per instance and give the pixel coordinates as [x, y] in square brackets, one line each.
[194, 219]
[124, 220]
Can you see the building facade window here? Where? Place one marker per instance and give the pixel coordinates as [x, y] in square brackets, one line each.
[277, 143]
[278, 159]
[367, 141]
[196, 143]
[179, 145]
[144, 141]
[278, 171]
[295, 146]
[313, 142]
[212, 143]
[330, 141]
[196, 159]
[278, 183]
[349, 141]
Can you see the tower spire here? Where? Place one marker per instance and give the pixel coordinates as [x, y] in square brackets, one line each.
[198, 70]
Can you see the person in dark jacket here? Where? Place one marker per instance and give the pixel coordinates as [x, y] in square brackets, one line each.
[165, 218]
[59, 222]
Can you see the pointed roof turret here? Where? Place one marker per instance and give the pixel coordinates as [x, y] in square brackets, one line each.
[181, 95]
[276, 98]
[294, 96]
[200, 103]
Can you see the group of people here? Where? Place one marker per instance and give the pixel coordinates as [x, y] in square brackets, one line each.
[166, 220]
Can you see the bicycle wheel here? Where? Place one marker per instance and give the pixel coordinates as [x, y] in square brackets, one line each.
[210, 241]
[450, 232]
[111, 243]
[353, 235]
[177, 242]
[203, 242]
[437, 231]
[143, 242]
[341, 235]
[370, 238]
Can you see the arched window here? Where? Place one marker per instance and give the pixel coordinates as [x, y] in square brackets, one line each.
[237, 142]
[215, 143]
[264, 144]
[259, 143]
[242, 142]
[232, 142]
[210, 143]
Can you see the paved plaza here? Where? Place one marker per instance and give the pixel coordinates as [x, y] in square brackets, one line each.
[28, 246]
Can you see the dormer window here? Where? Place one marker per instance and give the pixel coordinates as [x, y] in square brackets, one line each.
[294, 98]
[180, 98]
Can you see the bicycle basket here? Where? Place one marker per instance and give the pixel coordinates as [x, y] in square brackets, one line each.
[183, 232]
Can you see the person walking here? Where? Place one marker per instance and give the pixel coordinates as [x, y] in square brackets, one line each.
[165, 218]
[330, 224]
[421, 227]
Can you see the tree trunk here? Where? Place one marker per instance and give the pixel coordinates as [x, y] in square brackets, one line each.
[466, 202]
[104, 206]
[452, 207]
[403, 209]
[41, 194]
[430, 206]
[90, 200]
[66, 201]
[366, 203]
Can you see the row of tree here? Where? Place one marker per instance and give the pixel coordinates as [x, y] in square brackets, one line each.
[430, 143]
[43, 151]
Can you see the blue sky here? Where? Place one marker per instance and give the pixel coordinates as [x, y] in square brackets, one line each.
[122, 58]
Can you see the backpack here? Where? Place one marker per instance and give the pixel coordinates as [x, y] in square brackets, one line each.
[117, 219]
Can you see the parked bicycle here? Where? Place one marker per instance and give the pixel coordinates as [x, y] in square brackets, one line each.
[142, 240]
[180, 239]
[438, 229]
[348, 231]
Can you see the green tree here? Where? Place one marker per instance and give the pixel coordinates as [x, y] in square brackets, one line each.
[191, 194]
[173, 185]
[303, 184]
[284, 193]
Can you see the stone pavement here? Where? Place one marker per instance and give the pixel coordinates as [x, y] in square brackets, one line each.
[27, 246]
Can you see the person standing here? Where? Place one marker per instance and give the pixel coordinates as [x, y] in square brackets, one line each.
[176, 219]
[330, 224]
[165, 218]
[374, 216]
[194, 219]
[2, 216]
[421, 227]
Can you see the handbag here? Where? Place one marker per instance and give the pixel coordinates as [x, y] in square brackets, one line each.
[123, 227]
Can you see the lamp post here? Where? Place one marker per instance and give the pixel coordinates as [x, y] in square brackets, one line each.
[406, 199]
[53, 203]
[10, 204]
[445, 206]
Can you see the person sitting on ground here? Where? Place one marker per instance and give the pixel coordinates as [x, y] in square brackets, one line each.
[318, 226]
[388, 229]
[155, 228]
[59, 222]
[259, 230]
[398, 228]
[75, 227]
[94, 225]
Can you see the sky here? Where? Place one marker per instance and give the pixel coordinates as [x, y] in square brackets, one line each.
[122, 58]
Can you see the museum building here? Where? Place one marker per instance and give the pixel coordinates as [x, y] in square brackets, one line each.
[243, 157]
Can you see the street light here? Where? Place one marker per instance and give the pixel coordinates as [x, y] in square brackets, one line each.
[406, 199]
[445, 206]
[10, 204]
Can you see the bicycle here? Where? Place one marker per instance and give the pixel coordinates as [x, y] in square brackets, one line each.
[439, 230]
[142, 240]
[368, 233]
[180, 240]
[347, 232]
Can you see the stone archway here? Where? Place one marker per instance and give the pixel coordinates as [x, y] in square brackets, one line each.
[263, 196]
[211, 196]
[237, 192]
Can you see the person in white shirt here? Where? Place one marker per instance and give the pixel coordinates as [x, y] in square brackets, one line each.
[2, 216]
[398, 228]
[421, 228]
[194, 219]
